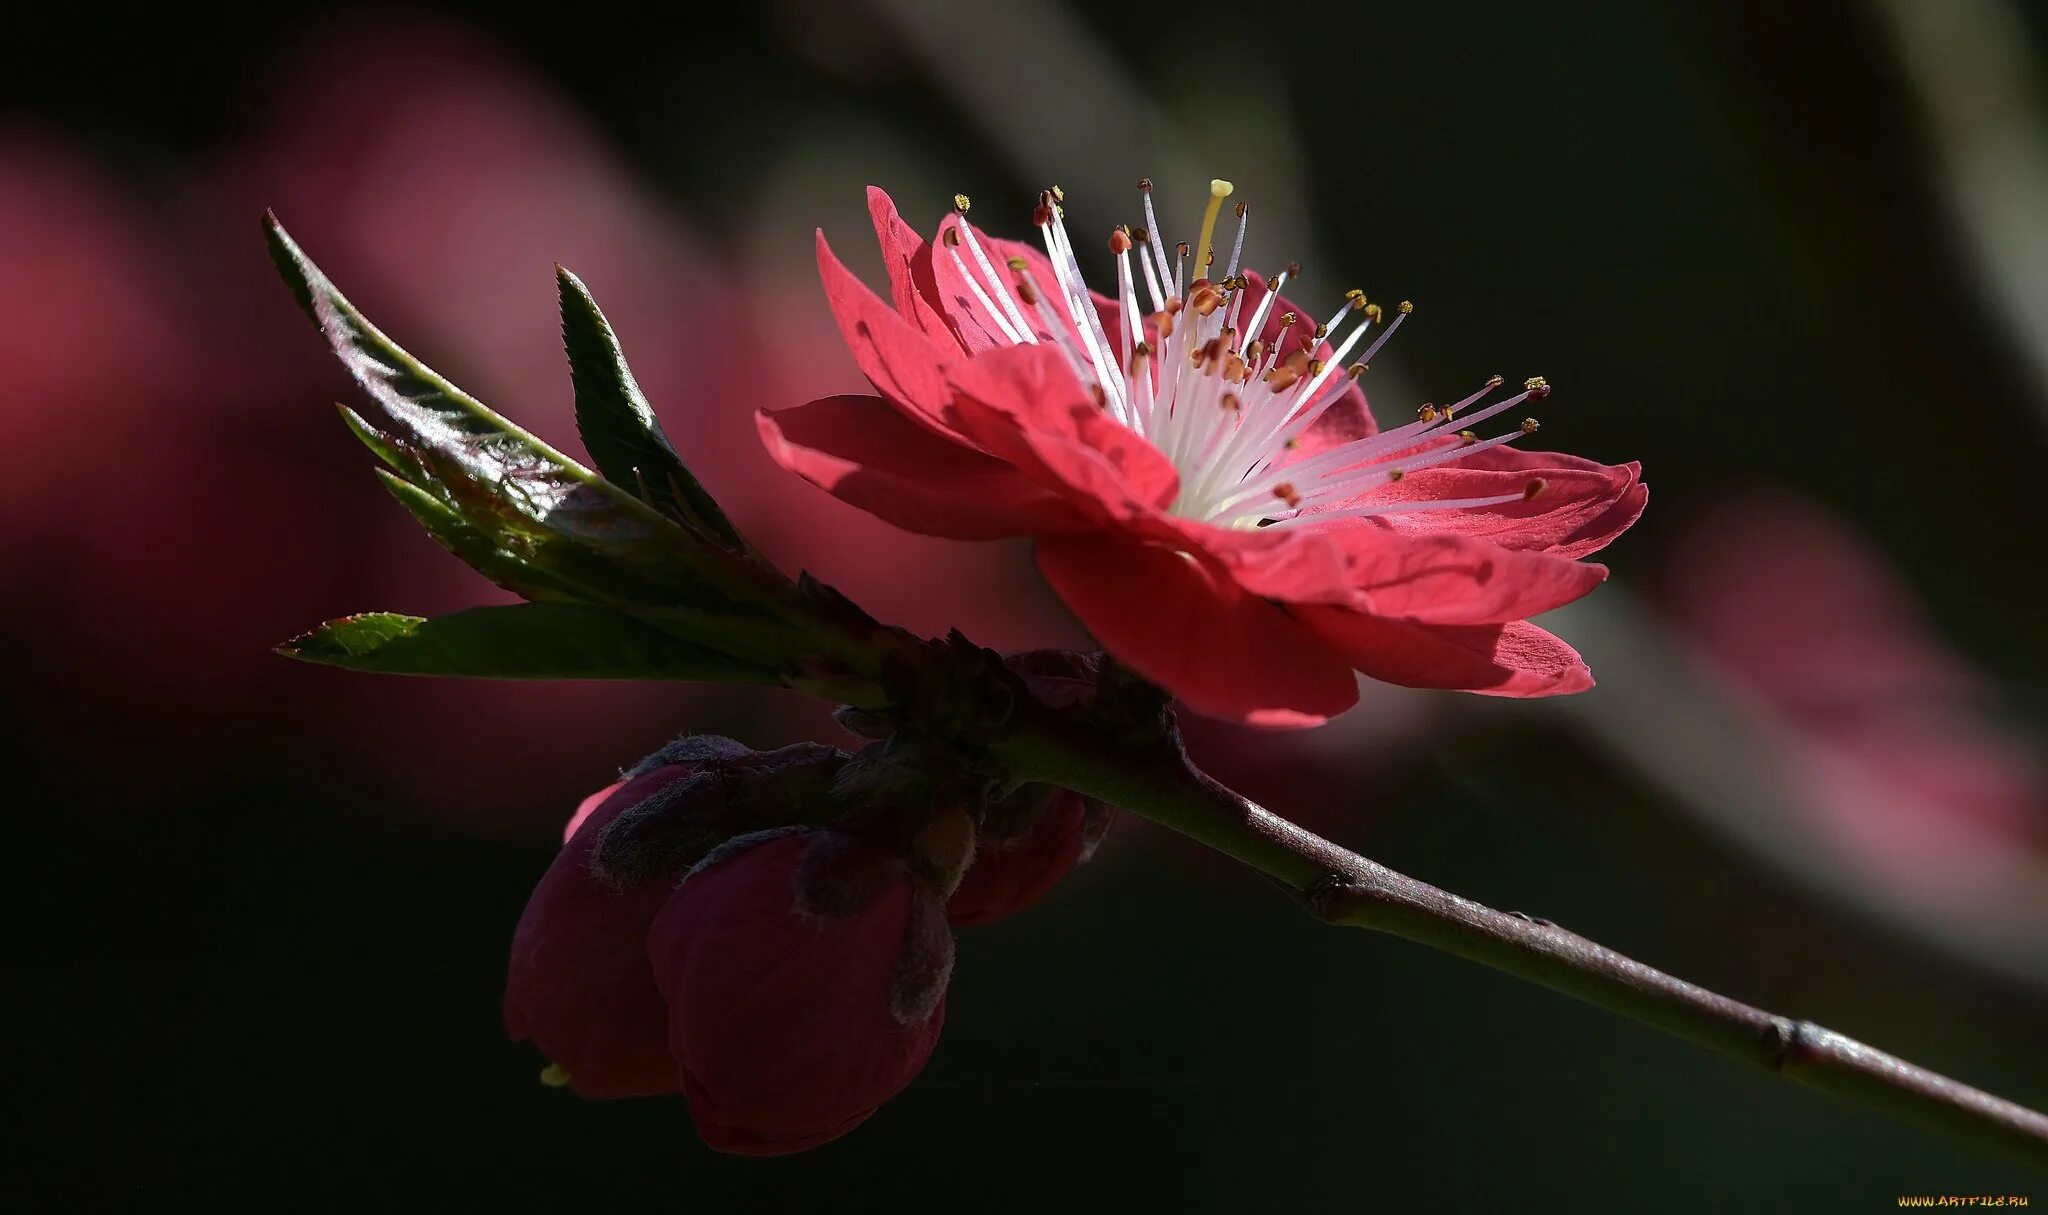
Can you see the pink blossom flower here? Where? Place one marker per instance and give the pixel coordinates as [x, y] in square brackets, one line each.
[1209, 494]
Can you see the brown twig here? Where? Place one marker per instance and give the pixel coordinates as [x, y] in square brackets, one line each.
[1341, 887]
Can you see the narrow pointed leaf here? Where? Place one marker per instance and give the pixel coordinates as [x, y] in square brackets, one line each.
[479, 551]
[618, 426]
[507, 484]
[520, 641]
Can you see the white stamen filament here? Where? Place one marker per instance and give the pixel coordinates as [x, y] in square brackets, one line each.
[981, 297]
[995, 281]
[1220, 402]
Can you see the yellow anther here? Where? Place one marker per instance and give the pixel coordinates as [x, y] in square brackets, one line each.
[1469, 437]
[1536, 383]
[1530, 426]
[1373, 313]
[1407, 306]
[960, 203]
[553, 1076]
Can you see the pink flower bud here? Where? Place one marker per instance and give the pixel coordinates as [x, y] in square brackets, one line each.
[579, 984]
[806, 986]
[1010, 874]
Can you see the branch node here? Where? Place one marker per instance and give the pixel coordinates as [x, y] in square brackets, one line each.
[1784, 1040]
[1324, 897]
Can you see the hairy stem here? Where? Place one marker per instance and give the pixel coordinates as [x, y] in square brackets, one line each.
[1341, 887]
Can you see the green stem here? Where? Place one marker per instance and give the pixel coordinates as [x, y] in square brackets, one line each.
[1341, 887]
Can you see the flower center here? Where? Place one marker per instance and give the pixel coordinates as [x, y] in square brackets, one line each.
[1227, 411]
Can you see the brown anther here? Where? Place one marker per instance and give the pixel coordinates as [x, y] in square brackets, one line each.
[1206, 299]
[1181, 248]
[1355, 370]
[1394, 474]
[1140, 235]
[1235, 370]
[1173, 304]
[1293, 443]
[1530, 426]
[1144, 183]
[1041, 215]
[952, 238]
[1427, 413]
[1027, 291]
[1253, 351]
[960, 203]
[1229, 402]
[1101, 399]
[1315, 367]
[1322, 331]
[1407, 306]
[1536, 486]
[1163, 321]
[1280, 379]
[1468, 437]
[1293, 269]
[1287, 319]
[1285, 492]
[1211, 350]
[1143, 350]
[1296, 362]
[1494, 382]
[1240, 210]
[1119, 242]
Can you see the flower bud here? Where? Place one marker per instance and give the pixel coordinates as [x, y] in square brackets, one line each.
[579, 985]
[1033, 838]
[805, 976]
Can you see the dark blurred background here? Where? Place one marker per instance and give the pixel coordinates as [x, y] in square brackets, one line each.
[1793, 257]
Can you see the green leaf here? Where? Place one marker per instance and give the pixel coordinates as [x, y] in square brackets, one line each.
[520, 641]
[528, 499]
[618, 426]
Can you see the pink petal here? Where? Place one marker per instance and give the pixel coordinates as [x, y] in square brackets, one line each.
[1024, 405]
[902, 363]
[868, 455]
[1517, 659]
[908, 259]
[1184, 624]
[1443, 579]
[1583, 506]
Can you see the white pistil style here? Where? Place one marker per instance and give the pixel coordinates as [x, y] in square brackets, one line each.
[1223, 402]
